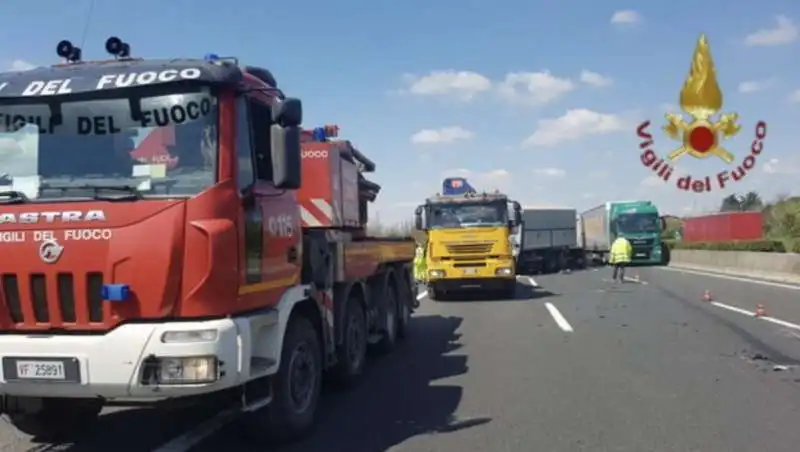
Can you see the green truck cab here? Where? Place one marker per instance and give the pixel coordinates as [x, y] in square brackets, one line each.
[637, 221]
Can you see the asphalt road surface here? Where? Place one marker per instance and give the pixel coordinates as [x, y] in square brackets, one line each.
[574, 363]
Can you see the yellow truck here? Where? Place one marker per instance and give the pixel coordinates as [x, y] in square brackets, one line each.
[468, 242]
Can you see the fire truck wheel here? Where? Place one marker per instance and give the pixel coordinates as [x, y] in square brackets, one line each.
[352, 353]
[389, 340]
[59, 419]
[297, 388]
[408, 296]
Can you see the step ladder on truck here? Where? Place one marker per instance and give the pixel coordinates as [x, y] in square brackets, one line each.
[229, 264]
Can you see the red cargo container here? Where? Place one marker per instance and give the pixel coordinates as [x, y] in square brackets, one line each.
[724, 226]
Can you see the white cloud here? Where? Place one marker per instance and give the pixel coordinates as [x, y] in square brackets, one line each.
[626, 16]
[668, 107]
[784, 32]
[549, 172]
[753, 86]
[572, 126]
[794, 97]
[463, 85]
[21, 65]
[534, 88]
[776, 166]
[595, 79]
[498, 179]
[599, 174]
[443, 135]
[652, 181]
[587, 195]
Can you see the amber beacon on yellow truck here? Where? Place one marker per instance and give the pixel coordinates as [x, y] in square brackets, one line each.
[468, 240]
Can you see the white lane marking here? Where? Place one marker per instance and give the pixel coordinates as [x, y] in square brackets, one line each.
[422, 295]
[635, 280]
[752, 314]
[733, 278]
[203, 430]
[532, 281]
[560, 320]
[781, 322]
[733, 308]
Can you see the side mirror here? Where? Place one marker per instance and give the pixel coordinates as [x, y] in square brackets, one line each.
[663, 224]
[288, 113]
[613, 227]
[285, 155]
[418, 223]
[517, 214]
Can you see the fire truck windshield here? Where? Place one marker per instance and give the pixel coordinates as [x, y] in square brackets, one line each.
[467, 215]
[170, 149]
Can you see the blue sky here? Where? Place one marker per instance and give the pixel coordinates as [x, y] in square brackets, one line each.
[474, 80]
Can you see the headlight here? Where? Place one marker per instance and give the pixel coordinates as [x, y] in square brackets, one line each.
[436, 273]
[189, 336]
[188, 370]
[504, 271]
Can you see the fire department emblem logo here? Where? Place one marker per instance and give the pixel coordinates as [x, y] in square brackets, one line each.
[50, 251]
[703, 134]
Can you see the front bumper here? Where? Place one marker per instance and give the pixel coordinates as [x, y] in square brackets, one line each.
[487, 274]
[455, 285]
[112, 366]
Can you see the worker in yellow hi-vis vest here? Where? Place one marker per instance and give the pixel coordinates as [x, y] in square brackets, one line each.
[420, 266]
[620, 256]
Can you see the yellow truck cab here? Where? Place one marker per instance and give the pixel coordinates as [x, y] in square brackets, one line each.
[468, 240]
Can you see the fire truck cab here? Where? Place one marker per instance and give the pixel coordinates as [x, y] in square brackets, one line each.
[179, 271]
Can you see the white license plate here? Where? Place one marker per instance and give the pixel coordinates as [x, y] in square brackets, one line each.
[470, 271]
[41, 370]
[640, 255]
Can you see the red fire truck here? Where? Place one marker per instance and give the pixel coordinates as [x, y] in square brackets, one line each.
[207, 269]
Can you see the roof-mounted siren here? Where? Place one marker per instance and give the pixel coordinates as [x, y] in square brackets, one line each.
[116, 47]
[457, 186]
[69, 52]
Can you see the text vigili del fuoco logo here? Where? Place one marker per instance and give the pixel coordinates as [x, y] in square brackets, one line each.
[701, 137]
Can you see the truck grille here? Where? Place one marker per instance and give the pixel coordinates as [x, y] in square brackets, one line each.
[469, 248]
[37, 299]
[643, 243]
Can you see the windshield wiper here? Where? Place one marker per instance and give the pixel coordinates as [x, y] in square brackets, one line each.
[132, 192]
[13, 197]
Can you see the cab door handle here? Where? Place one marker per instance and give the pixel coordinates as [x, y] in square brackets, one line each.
[292, 254]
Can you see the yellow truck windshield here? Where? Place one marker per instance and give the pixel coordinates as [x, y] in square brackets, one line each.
[467, 215]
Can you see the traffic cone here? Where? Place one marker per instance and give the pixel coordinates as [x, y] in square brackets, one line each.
[708, 296]
[761, 311]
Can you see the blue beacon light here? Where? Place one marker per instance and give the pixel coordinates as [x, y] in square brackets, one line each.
[211, 57]
[116, 292]
[319, 134]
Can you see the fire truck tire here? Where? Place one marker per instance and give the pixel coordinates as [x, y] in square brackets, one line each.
[59, 419]
[391, 297]
[407, 298]
[297, 388]
[352, 353]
